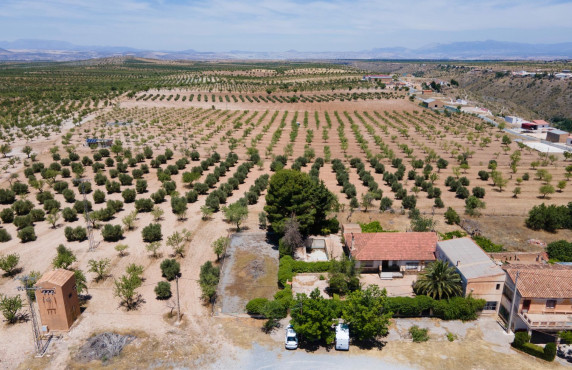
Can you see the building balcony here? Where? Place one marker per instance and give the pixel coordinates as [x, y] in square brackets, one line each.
[548, 321]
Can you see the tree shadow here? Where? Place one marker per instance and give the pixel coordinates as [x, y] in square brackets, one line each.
[314, 346]
[370, 344]
[14, 272]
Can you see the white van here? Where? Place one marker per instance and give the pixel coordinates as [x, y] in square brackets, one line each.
[342, 337]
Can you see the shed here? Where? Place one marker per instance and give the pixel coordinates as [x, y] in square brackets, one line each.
[557, 136]
[480, 275]
[57, 299]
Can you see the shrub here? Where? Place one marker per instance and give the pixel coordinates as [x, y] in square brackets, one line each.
[20, 188]
[22, 207]
[372, 227]
[22, 221]
[27, 234]
[111, 233]
[256, 306]
[7, 215]
[163, 290]
[69, 214]
[479, 192]
[81, 205]
[152, 233]
[560, 250]
[170, 268]
[4, 236]
[418, 335]
[159, 196]
[144, 205]
[7, 196]
[487, 244]
[98, 196]
[77, 234]
[550, 351]
[51, 204]
[37, 215]
[129, 195]
[141, 186]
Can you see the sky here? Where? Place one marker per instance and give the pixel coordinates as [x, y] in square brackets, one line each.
[280, 25]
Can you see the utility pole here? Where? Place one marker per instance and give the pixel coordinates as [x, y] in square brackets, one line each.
[512, 303]
[40, 346]
[178, 302]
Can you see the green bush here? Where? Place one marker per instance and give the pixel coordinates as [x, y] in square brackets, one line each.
[458, 308]
[152, 233]
[27, 234]
[410, 307]
[418, 335]
[170, 268]
[4, 236]
[7, 215]
[256, 306]
[111, 233]
[560, 250]
[550, 351]
[487, 244]
[372, 227]
[163, 290]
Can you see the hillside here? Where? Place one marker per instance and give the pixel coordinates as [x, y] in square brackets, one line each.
[529, 97]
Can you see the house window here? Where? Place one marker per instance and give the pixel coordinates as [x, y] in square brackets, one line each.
[551, 303]
[492, 306]
[366, 263]
[411, 265]
[498, 286]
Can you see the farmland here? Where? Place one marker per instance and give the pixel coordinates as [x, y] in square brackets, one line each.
[191, 138]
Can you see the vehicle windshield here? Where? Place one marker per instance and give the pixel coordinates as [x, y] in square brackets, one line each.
[291, 339]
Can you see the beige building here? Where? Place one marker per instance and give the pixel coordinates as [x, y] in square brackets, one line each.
[543, 298]
[57, 299]
[481, 277]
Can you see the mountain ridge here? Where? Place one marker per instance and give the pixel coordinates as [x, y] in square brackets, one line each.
[54, 50]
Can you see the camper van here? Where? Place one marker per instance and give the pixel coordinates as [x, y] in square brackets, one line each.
[342, 337]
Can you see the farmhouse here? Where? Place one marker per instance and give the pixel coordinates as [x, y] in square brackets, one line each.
[57, 299]
[377, 252]
[481, 277]
[535, 125]
[514, 120]
[543, 298]
[557, 136]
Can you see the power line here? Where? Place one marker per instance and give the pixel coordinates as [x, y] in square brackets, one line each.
[41, 347]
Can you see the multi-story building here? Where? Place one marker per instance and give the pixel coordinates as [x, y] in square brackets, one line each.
[543, 299]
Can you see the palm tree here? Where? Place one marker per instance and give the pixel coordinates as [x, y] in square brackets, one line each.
[439, 281]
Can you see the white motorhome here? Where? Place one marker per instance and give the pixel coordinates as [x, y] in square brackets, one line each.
[342, 337]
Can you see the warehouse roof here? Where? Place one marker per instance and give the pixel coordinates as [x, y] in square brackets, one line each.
[469, 259]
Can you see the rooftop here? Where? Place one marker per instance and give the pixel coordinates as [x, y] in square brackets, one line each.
[559, 132]
[472, 261]
[57, 277]
[540, 122]
[542, 281]
[414, 246]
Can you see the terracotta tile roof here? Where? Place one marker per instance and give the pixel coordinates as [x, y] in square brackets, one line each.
[542, 281]
[57, 277]
[392, 246]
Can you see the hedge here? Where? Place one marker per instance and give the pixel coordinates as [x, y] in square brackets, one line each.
[288, 267]
[522, 343]
[457, 308]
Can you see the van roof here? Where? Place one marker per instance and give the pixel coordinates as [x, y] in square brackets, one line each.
[342, 331]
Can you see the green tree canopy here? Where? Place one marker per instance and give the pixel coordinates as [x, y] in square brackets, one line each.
[313, 317]
[293, 192]
[439, 280]
[365, 313]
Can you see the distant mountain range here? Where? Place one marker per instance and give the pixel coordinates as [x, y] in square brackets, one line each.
[50, 50]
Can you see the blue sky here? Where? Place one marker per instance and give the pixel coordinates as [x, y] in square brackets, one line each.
[272, 25]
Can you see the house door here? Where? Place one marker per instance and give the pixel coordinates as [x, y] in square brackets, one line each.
[526, 305]
[384, 265]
